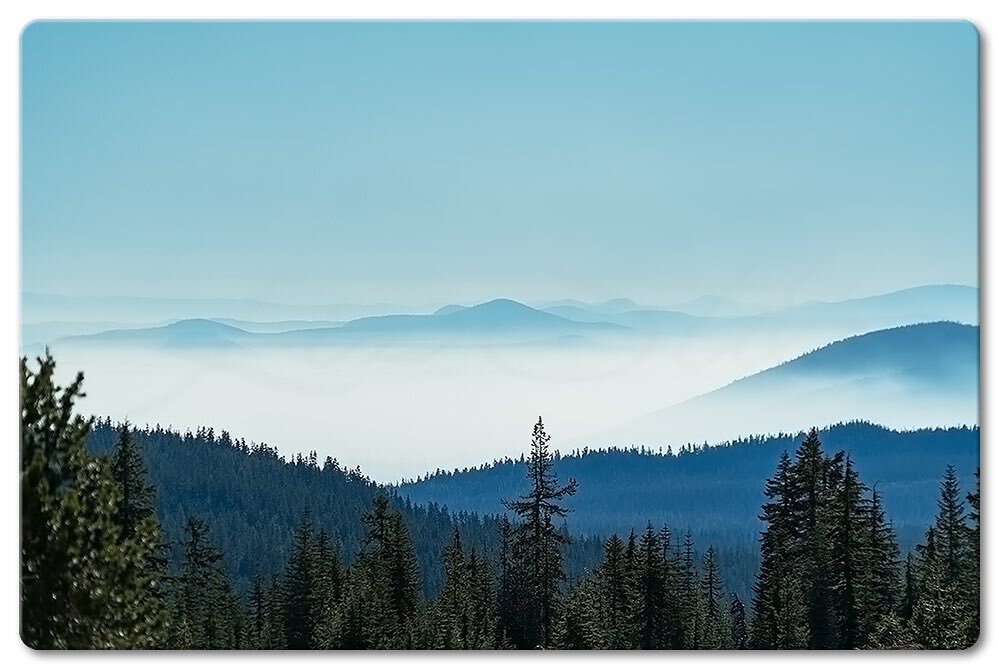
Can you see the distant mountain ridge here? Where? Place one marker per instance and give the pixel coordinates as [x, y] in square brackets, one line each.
[933, 366]
[717, 488]
[504, 317]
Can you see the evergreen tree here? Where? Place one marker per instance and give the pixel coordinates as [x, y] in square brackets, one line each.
[973, 570]
[651, 614]
[205, 604]
[508, 586]
[260, 625]
[451, 607]
[586, 622]
[811, 499]
[483, 622]
[691, 612]
[672, 614]
[616, 594]
[937, 622]
[300, 586]
[779, 620]
[276, 627]
[717, 631]
[328, 592]
[882, 598]
[942, 615]
[387, 593]
[137, 495]
[536, 545]
[951, 530]
[85, 582]
[849, 558]
[909, 593]
[740, 631]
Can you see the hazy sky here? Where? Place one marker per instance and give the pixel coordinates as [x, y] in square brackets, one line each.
[457, 162]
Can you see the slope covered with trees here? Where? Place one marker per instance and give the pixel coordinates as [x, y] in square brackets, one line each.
[715, 489]
[251, 497]
[94, 571]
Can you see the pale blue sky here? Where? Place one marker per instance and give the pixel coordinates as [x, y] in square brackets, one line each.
[421, 162]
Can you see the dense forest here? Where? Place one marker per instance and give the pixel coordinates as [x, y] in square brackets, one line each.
[99, 570]
[715, 488]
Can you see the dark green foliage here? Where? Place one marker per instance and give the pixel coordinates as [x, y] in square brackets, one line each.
[385, 587]
[942, 602]
[87, 580]
[653, 616]
[716, 490]
[252, 497]
[717, 630]
[586, 622]
[207, 612]
[740, 631]
[616, 586]
[93, 565]
[536, 547]
[464, 614]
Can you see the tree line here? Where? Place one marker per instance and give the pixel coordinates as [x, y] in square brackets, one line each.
[95, 570]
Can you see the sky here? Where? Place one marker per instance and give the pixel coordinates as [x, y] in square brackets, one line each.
[421, 162]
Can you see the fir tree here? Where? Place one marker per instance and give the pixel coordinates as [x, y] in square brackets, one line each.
[85, 582]
[778, 620]
[651, 615]
[300, 586]
[740, 631]
[616, 594]
[717, 631]
[812, 492]
[536, 545]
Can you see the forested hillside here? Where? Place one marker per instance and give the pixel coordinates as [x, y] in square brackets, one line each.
[96, 572]
[252, 497]
[718, 489]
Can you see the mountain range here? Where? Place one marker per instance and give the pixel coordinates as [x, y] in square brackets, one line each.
[498, 321]
[887, 376]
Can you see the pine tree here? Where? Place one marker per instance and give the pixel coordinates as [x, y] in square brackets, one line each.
[300, 586]
[951, 530]
[779, 620]
[614, 581]
[651, 619]
[740, 631]
[276, 614]
[973, 569]
[451, 606]
[85, 583]
[717, 631]
[483, 622]
[849, 561]
[586, 621]
[942, 616]
[882, 598]
[691, 612]
[387, 593]
[203, 604]
[260, 633]
[938, 621]
[137, 495]
[672, 613]
[810, 475]
[508, 586]
[328, 592]
[909, 593]
[536, 545]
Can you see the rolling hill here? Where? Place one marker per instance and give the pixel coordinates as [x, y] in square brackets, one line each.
[717, 489]
[499, 320]
[908, 376]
